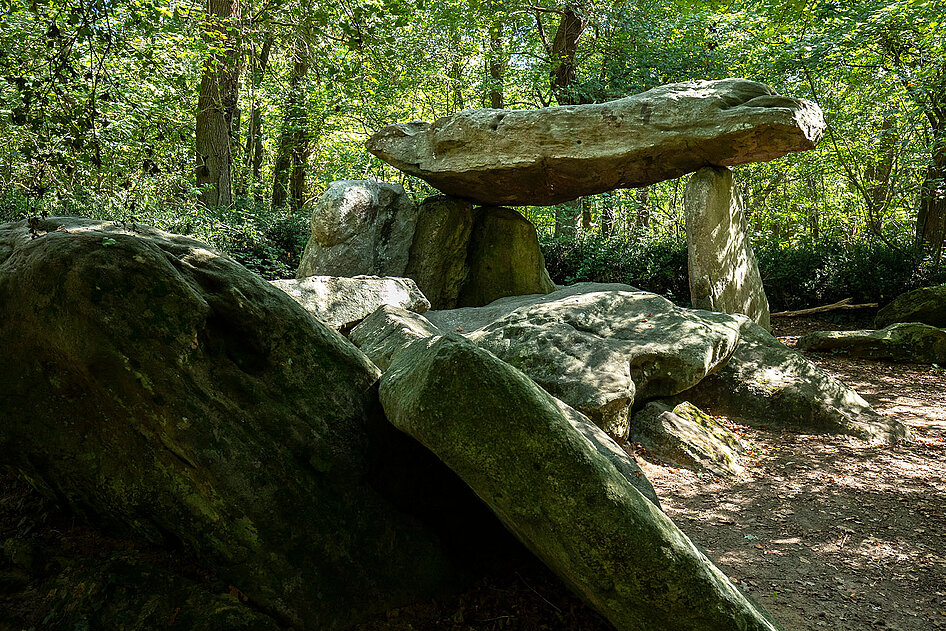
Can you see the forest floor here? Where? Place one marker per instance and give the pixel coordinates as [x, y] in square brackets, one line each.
[827, 532]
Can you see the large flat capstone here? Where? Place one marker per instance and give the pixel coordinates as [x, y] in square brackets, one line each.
[555, 154]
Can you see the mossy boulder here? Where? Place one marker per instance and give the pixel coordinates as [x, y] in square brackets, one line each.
[767, 383]
[166, 393]
[926, 305]
[552, 479]
[686, 436]
[902, 342]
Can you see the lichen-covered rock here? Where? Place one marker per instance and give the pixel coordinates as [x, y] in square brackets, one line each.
[504, 259]
[342, 302]
[359, 227]
[926, 305]
[767, 383]
[724, 275]
[902, 342]
[167, 393]
[389, 330]
[685, 436]
[555, 154]
[541, 469]
[601, 351]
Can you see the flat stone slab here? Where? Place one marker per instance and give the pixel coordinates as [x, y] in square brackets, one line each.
[902, 342]
[342, 302]
[555, 154]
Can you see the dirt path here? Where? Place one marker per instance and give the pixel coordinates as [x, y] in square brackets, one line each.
[830, 532]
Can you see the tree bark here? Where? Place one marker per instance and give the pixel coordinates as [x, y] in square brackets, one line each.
[566, 219]
[293, 151]
[607, 220]
[217, 104]
[253, 157]
[563, 49]
[931, 218]
[497, 65]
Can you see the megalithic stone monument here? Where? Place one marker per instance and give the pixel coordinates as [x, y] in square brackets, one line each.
[556, 154]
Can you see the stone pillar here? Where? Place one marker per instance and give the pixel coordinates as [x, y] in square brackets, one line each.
[724, 275]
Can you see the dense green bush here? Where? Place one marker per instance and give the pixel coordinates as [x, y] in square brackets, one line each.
[268, 242]
[645, 262]
[795, 277]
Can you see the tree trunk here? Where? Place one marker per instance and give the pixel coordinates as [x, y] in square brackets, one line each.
[566, 219]
[643, 208]
[563, 50]
[585, 204]
[253, 157]
[293, 151]
[497, 65]
[931, 218]
[606, 222]
[217, 104]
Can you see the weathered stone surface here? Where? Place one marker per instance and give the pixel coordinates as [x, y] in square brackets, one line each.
[539, 470]
[468, 319]
[685, 436]
[389, 330]
[552, 155]
[926, 305]
[600, 351]
[168, 394]
[343, 302]
[359, 227]
[504, 259]
[902, 342]
[767, 383]
[438, 252]
[455, 254]
[724, 275]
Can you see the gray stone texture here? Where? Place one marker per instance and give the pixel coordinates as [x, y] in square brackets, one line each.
[912, 342]
[342, 302]
[685, 436]
[724, 274]
[556, 154]
[541, 469]
[388, 331]
[767, 383]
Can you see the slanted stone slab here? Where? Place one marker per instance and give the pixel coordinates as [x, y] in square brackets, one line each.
[556, 154]
[767, 383]
[342, 302]
[686, 436]
[388, 331]
[601, 351]
[724, 274]
[926, 305]
[359, 227]
[541, 469]
[902, 342]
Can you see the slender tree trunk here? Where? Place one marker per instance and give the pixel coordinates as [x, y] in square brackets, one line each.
[456, 75]
[293, 150]
[642, 196]
[585, 204]
[606, 222]
[566, 219]
[931, 218]
[497, 64]
[253, 157]
[217, 104]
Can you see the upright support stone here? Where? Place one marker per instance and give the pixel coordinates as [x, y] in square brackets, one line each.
[724, 274]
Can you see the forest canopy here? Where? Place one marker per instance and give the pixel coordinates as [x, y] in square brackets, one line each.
[196, 117]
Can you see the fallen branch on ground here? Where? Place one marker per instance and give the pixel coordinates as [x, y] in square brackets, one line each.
[841, 304]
